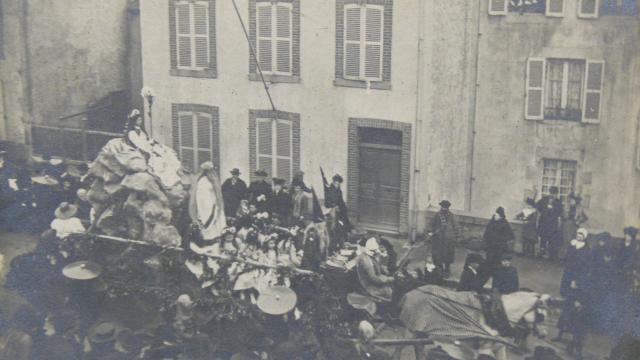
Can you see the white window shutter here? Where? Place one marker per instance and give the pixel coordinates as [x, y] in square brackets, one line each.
[555, 8]
[284, 148]
[373, 43]
[264, 146]
[265, 36]
[203, 136]
[283, 38]
[201, 34]
[187, 145]
[588, 9]
[352, 41]
[498, 7]
[183, 34]
[594, 76]
[534, 101]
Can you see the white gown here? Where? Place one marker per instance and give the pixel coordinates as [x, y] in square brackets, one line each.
[163, 160]
[207, 205]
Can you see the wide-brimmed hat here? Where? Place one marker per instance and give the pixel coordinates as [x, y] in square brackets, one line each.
[474, 258]
[445, 204]
[102, 333]
[66, 211]
[235, 171]
[260, 172]
[45, 180]
[277, 181]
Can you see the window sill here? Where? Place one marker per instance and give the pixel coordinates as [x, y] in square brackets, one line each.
[559, 122]
[290, 79]
[361, 84]
[199, 74]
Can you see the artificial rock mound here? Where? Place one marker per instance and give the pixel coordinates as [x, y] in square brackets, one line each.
[131, 202]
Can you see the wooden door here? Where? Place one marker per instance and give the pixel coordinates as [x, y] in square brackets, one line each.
[379, 186]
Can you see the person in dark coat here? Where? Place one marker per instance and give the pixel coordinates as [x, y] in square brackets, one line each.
[625, 261]
[602, 282]
[445, 233]
[234, 190]
[298, 180]
[472, 278]
[333, 198]
[574, 318]
[280, 203]
[550, 210]
[576, 267]
[260, 191]
[21, 211]
[505, 277]
[7, 189]
[497, 236]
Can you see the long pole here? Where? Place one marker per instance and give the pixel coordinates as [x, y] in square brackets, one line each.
[253, 54]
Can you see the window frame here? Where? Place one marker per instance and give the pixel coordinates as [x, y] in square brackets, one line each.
[558, 176]
[214, 139]
[560, 14]
[587, 15]
[502, 12]
[363, 42]
[294, 50]
[386, 42]
[564, 95]
[175, 69]
[293, 119]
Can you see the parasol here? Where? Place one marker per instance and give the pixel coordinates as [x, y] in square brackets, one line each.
[82, 270]
[277, 300]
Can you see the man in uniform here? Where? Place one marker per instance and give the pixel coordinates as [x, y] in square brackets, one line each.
[444, 232]
[233, 191]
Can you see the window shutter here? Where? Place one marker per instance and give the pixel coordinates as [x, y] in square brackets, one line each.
[183, 34]
[284, 149]
[535, 89]
[593, 91]
[203, 136]
[555, 8]
[187, 153]
[373, 43]
[201, 34]
[352, 42]
[264, 136]
[498, 7]
[265, 32]
[283, 34]
[588, 9]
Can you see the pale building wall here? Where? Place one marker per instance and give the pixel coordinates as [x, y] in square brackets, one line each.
[509, 149]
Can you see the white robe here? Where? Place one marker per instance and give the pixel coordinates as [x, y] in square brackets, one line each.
[206, 205]
[163, 161]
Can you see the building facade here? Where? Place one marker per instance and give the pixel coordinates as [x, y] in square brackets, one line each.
[411, 102]
[64, 58]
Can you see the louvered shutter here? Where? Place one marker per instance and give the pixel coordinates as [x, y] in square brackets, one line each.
[283, 39]
[588, 9]
[201, 34]
[555, 8]
[187, 146]
[284, 149]
[352, 42]
[265, 36]
[498, 7]
[264, 146]
[373, 43]
[593, 91]
[183, 34]
[203, 136]
[535, 89]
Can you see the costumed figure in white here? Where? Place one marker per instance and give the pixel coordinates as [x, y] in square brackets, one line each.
[162, 161]
[206, 206]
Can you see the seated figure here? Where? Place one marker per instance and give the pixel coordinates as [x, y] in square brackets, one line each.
[371, 274]
[162, 161]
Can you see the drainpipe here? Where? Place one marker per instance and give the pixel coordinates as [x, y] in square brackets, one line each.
[418, 128]
[27, 74]
[474, 112]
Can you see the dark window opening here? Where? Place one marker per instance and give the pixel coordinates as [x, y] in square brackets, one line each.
[380, 136]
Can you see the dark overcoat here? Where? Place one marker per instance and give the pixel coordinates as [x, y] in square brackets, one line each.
[497, 236]
[505, 279]
[232, 195]
[256, 189]
[446, 231]
[576, 268]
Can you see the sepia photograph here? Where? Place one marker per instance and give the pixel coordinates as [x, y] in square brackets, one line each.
[319, 179]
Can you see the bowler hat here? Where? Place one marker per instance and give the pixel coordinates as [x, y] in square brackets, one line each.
[235, 171]
[260, 172]
[474, 258]
[66, 211]
[631, 231]
[277, 181]
[500, 211]
[337, 178]
[445, 204]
